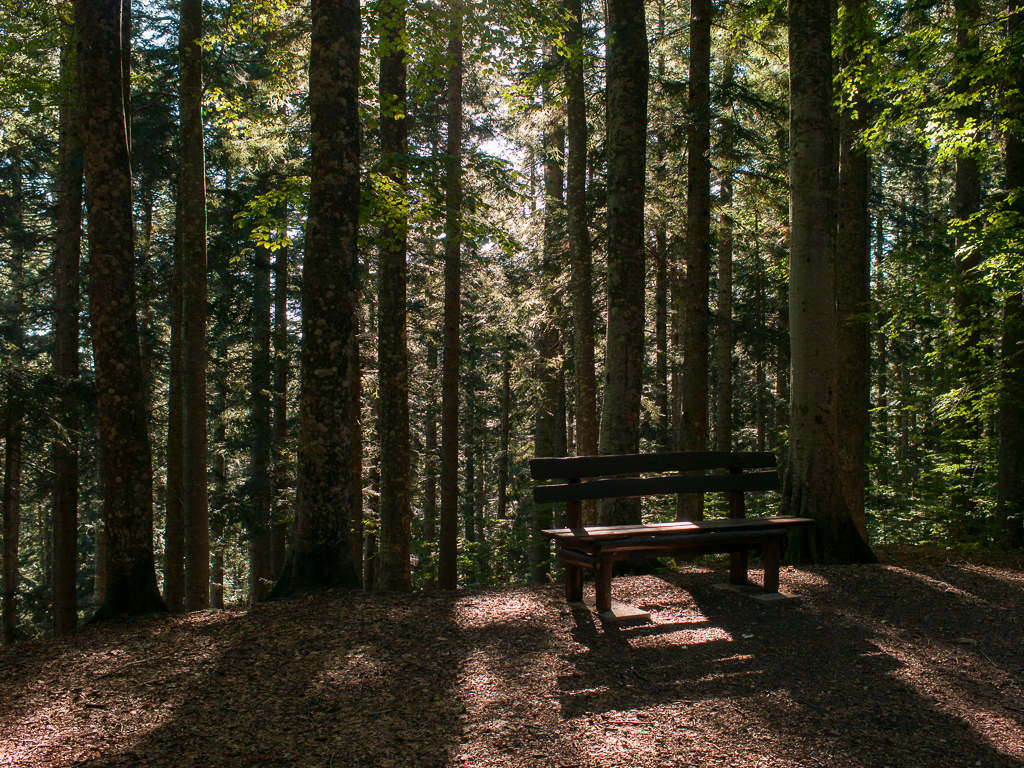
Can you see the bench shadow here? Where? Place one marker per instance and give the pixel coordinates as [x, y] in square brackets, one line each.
[825, 676]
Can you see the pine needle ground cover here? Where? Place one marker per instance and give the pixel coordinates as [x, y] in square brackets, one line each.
[913, 662]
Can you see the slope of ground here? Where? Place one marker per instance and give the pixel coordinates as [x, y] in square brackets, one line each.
[914, 662]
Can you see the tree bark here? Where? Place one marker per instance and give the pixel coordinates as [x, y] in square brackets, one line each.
[260, 575]
[394, 571]
[174, 505]
[193, 244]
[281, 454]
[448, 545]
[1009, 514]
[131, 585]
[506, 405]
[853, 278]
[65, 345]
[430, 466]
[579, 245]
[321, 554]
[811, 487]
[627, 70]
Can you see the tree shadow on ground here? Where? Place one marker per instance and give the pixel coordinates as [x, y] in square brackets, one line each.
[864, 670]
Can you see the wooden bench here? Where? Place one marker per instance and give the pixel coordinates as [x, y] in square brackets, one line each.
[601, 477]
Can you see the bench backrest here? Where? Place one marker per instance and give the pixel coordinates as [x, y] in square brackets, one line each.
[597, 469]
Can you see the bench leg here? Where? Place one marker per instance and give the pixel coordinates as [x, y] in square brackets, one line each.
[771, 554]
[738, 567]
[603, 585]
[573, 583]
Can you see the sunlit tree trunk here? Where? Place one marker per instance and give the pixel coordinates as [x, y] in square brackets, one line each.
[811, 487]
[627, 71]
[131, 585]
[447, 574]
[321, 555]
[65, 344]
[392, 355]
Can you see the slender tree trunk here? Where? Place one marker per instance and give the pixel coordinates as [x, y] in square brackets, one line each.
[394, 572]
[358, 524]
[469, 480]
[698, 244]
[430, 465]
[193, 243]
[282, 456]
[220, 480]
[661, 336]
[13, 433]
[579, 244]
[131, 585]
[447, 572]
[506, 405]
[627, 71]
[967, 307]
[723, 426]
[1009, 514]
[811, 487]
[853, 279]
[174, 504]
[260, 571]
[321, 554]
[65, 345]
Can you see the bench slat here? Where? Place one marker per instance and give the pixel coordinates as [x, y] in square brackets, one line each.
[571, 538]
[623, 487]
[683, 461]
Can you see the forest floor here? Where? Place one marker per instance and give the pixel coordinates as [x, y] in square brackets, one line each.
[917, 661]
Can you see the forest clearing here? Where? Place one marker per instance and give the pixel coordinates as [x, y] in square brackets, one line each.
[909, 663]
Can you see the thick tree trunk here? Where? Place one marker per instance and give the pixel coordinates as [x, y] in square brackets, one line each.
[131, 585]
[260, 575]
[447, 573]
[394, 571]
[812, 488]
[853, 280]
[1009, 514]
[193, 244]
[321, 554]
[627, 70]
[579, 244]
[65, 345]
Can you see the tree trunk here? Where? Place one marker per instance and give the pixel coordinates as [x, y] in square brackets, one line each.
[65, 345]
[627, 70]
[698, 244]
[579, 245]
[282, 456]
[812, 488]
[853, 279]
[447, 572]
[358, 526]
[260, 575]
[966, 305]
[723, 425]
[174, 505]
[394, 571]
[506, 405]
[430, 466]
[469, 480]
[1009, 514]
[193, 248]
[321, 554]
[13, 433]
[131, 585]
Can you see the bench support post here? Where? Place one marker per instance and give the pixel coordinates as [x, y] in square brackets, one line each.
[738, 567]
[771, 554]
[573, 583]
[603, 584]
